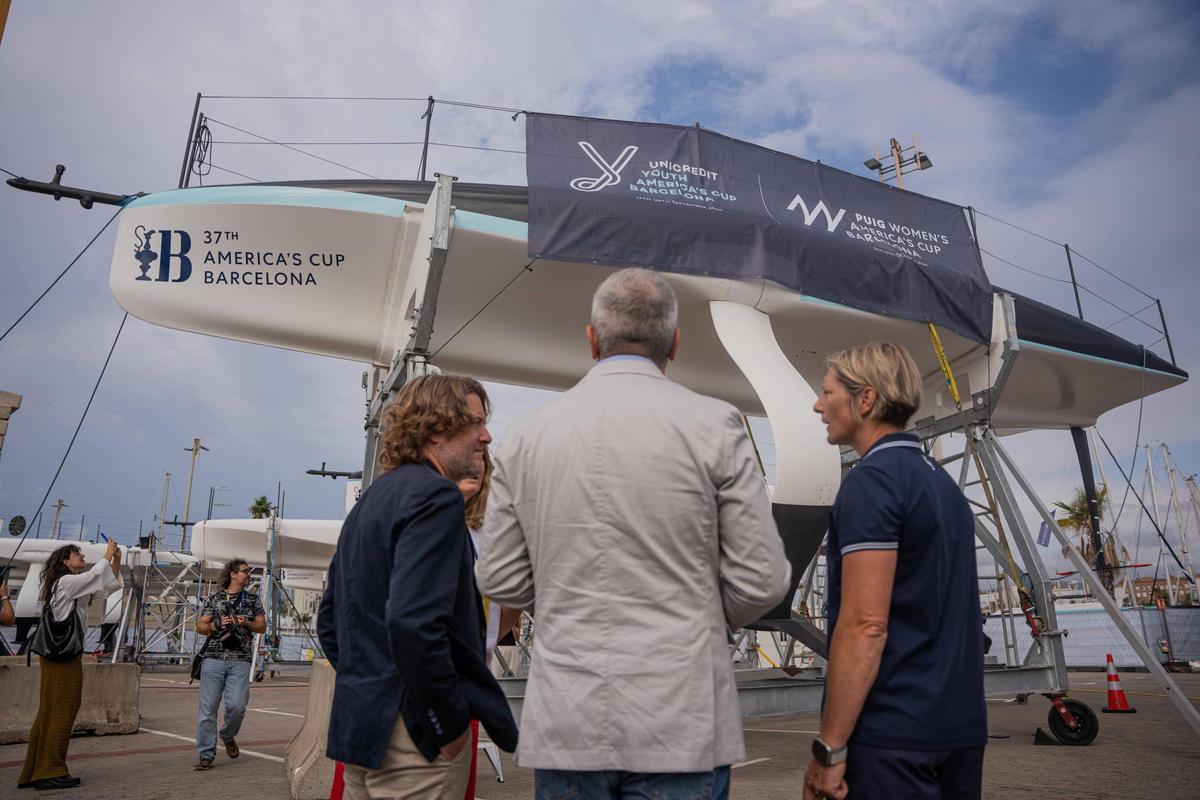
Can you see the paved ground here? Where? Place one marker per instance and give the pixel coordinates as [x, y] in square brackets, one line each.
[1149, 754]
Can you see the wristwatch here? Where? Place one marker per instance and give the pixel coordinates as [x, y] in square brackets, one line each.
[828, 756]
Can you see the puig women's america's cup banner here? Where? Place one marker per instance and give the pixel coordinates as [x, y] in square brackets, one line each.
[688, 200]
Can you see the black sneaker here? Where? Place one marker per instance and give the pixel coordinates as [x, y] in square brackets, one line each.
[61, 782]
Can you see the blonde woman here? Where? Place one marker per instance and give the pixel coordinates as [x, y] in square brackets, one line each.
[900, 532]
[475, 489]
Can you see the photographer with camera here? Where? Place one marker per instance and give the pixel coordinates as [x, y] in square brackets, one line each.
[229, 619]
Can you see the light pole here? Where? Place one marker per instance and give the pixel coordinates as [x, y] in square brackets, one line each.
[901, 164]
[58, 507]
[187, 504]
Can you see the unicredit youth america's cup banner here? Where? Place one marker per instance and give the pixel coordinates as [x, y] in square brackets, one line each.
[692, 201]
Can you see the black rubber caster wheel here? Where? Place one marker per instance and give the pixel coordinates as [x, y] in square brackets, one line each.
[1088, 724]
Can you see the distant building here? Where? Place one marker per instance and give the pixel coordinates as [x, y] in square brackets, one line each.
[1144, 588]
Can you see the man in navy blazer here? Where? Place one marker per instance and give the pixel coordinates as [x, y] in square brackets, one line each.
[401, 620]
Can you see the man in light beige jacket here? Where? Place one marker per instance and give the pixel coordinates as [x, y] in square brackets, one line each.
[632, 511]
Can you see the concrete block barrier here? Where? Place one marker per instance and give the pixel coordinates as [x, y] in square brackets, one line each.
[309, 772]
[109, 705]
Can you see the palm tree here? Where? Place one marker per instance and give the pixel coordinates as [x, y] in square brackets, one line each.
[1077, 518]
[260, 508]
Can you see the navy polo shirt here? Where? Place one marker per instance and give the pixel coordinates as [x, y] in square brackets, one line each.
[929, 691]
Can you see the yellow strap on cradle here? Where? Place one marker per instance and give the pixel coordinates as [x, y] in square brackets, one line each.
[944, 363]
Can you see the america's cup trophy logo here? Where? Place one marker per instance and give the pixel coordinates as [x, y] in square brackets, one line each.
[143, 253]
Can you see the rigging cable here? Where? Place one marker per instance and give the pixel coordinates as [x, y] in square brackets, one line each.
[64, 272]
[1127, 314]
[483, 106]
[1146, 307]
[1061, 244]
[527, 268]
[461, 103]
[1018, 227]
[71, 444]
[1137, 442]
[1111, 274]
[307, 97]
[1162, 536]
[296, 149]
[1023, 269]
[231, 172]
[340, 143]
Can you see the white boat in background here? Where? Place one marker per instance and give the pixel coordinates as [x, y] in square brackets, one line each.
[29, 558]
[303, 547]
[303, 550]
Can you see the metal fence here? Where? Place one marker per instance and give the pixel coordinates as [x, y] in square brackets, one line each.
[1092, 635]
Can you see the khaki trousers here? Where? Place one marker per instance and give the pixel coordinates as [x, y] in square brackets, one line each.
[61, 694]
[406, 775]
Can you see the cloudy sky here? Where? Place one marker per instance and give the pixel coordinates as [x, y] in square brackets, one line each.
[1076, 120]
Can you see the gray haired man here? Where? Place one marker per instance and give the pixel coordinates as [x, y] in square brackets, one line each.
[633, 512]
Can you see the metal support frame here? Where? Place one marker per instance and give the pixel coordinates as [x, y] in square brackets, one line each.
[413, 360]
[1046, 649]
[162, 609]
[979, 412]
[1092, 581]
[270, 591]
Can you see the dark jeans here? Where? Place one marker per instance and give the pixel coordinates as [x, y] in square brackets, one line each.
[560, 784]
[878, 773]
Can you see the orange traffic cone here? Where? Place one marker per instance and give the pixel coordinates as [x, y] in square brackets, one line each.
[1117, 702]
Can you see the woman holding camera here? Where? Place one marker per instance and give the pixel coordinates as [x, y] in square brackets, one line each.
[66, 581]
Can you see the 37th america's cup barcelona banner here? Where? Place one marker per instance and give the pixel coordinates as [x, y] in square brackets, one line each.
[688, 200]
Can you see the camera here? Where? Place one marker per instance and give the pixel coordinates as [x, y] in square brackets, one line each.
[232, 636]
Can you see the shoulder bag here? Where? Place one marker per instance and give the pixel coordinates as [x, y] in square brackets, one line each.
[57, 641]
[198, 661]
